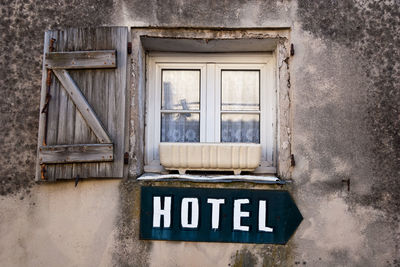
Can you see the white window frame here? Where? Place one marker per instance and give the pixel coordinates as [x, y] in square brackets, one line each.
[210, 66]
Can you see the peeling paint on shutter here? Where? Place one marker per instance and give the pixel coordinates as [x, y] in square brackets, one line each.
[85, 131]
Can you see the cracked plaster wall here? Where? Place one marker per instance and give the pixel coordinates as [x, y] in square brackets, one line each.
[345, 101]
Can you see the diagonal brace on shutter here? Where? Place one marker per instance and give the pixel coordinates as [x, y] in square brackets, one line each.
[82, 105]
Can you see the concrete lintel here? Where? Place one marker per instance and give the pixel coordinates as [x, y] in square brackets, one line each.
[205, 45]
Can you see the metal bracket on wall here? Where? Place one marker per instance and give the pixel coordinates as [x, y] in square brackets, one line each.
[347, 181]
[291, 49]
[126, 158]
[76, 180]
[129, 48]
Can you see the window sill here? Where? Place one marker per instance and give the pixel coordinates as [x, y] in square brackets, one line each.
[264, 179]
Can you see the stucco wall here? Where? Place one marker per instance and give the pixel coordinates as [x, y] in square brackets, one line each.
[345, 103]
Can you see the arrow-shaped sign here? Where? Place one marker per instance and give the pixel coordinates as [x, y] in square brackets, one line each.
[218, 215]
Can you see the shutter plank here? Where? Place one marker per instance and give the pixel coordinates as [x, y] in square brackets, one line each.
[81, 59]
[81, 129]
[66, 117]
[76, 153]
[52, 115]
[100, 100]
[82, 105]
[117, 123]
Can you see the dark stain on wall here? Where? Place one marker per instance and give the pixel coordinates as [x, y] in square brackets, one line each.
[371, 29]
[264, 255]
[244, 258]
[22, 27]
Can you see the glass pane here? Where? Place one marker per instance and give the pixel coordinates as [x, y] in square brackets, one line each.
[240, 89]
[180, 127]
[240, 128]
[181, 89]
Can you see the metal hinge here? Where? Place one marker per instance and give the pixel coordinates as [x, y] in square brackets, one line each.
[126, 158]
[129, 48]
[291, 49]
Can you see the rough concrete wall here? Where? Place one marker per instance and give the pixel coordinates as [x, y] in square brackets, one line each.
[345, 99]
[347, 129]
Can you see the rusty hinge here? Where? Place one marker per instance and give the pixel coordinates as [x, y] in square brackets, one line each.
[45, 109]
[291, 49]
[48, 80]
[129, 48]
[43, 171]
[126, 158]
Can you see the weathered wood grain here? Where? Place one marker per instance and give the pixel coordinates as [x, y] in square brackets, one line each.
[76, 153]
[96, 85]
[82, 105]
[119, 39]
[81, 59]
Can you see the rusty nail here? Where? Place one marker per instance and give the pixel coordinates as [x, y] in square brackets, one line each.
[126, 158]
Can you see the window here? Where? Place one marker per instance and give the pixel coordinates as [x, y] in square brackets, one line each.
[206, 97]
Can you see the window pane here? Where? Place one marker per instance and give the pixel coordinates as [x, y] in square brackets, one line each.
[240, 89]
[180, 127]
[240, 128]
[181, 89]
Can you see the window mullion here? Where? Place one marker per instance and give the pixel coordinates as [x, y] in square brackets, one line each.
[210, 105]
[157, 115]
[203, 103]
[217, 107]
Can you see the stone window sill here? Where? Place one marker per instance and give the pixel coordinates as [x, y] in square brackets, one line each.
[263, 179]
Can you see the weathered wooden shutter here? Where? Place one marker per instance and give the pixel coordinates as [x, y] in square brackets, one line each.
[82, 112]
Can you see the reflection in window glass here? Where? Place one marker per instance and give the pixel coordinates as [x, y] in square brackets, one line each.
[180, 127]
[243, 128]
[240, 90]
[180, 89]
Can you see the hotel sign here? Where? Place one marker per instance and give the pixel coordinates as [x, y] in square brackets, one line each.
[218, 215]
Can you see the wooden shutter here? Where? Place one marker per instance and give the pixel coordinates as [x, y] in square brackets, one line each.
[83, 131]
